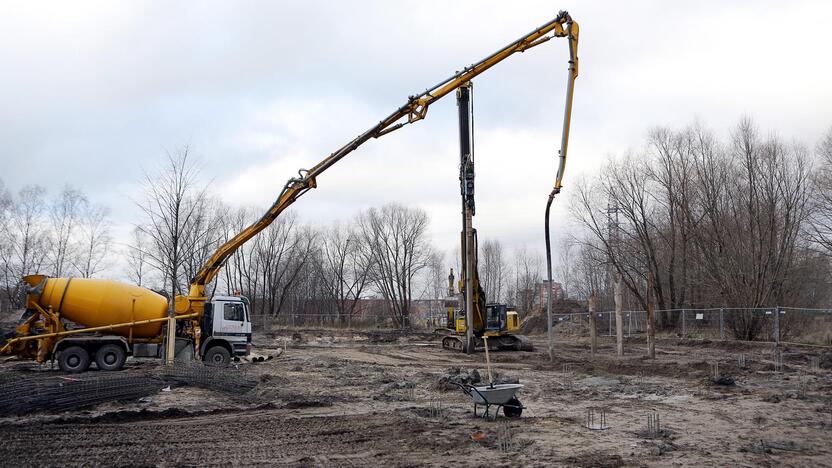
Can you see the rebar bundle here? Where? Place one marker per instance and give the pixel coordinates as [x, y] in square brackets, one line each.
[235, 381]
[56, 393]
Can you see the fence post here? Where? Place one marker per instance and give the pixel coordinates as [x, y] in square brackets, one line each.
[721, 325]
[609, 323]
[684, 325]
[777, 325]
[293, 320]
[593, 333]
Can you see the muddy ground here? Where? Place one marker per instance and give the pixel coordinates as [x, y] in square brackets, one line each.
[358, 399]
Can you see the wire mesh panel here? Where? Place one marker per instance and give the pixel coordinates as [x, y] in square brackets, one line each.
[56, 393]
[806, 326]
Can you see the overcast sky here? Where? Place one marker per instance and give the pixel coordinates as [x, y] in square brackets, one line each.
[94, 93]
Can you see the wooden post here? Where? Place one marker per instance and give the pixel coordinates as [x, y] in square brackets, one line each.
[593, 333]
[619, 316]
[170, 343]
[487, 360]
[651, 325]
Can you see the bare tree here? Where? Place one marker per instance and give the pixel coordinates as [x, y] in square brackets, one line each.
[203, 237]
[716, 224]
[436, 286]
[65, 214]
[138, 268]
[242, 269]
[527, 268]
[493, 269]
[273, 269]
[25, 239]
[395, 238]
[6, 204]
[566, 268]
[344, 271]
[820, 231]
[590, 269]
[749, 237]
[173, 207]
[94, 241]
[286, 253]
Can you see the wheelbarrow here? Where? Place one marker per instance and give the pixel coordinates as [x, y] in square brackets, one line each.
[502, 396]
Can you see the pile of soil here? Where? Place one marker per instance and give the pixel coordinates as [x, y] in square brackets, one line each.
[455, 375]
[536, 321]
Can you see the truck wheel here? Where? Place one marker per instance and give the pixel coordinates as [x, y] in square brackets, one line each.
[110, 357]
[217, 356]
[74, 359]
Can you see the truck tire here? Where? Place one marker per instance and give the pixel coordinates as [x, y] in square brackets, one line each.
[74, 360]
[110, 357]
[217, 356]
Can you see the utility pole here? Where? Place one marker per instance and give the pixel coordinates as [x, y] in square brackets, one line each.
[466, 183]
[613, 240]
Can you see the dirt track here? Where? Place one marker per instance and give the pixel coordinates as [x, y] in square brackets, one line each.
[344, 400]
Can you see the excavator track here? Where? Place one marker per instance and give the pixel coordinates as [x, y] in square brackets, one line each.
[523, 343]
[495, 343]
[510, 343]
[453, 343]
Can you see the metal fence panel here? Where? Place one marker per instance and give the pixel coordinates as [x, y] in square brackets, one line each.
[771, 324]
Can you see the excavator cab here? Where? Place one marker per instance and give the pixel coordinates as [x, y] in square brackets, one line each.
[495, 317]
[512, 320]
[459, 322]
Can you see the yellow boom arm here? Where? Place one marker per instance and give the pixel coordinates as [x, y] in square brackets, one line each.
[414, 110]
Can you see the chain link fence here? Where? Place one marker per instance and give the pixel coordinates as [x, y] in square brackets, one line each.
[771, 324]
[346, 322]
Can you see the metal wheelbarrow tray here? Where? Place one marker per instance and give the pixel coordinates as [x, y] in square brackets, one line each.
[499, 395]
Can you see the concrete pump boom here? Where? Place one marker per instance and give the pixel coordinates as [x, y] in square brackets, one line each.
[414, 110]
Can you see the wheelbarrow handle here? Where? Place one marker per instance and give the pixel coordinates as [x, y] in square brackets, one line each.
[474, 389]
[465, 388]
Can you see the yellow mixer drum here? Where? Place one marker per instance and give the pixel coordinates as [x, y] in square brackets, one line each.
[98, 302]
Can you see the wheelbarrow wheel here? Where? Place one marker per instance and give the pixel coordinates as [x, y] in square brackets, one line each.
[513, 408]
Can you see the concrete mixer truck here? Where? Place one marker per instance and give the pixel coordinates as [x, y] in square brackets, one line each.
[77, 321]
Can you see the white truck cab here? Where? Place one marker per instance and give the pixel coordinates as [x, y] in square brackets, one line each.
[226, 330]
[226, 335]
